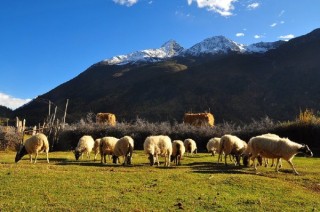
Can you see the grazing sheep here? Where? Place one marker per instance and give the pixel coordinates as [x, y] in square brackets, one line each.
[107, 147]
[33, 145]
[274, 147]
[85, 145]
[96, 148]
[158, 145]
[232, 145]
[213, 145]
[190, 145]
[123, 147]
[178, 150]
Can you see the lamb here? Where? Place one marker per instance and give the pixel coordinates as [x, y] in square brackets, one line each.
[107, 147]
[178, 150]
[96, 147]
[273, 147]
[33, 145]
[123, 147]
[190, 145]
[158, 145]
[213, 145]
[232, 145]
[85, 145]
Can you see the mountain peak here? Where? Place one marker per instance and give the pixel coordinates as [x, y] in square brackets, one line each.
[168, 49]
[172, 48]
[214, 45]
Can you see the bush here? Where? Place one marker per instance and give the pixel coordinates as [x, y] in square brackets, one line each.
[9, 138]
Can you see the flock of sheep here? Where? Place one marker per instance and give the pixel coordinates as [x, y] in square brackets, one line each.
[259, 147]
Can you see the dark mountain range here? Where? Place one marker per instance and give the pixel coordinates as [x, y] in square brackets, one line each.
[5, 112]
[234, 86]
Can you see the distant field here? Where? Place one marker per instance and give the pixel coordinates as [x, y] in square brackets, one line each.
[200, 184]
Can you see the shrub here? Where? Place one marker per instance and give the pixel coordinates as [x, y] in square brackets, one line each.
[9, 138]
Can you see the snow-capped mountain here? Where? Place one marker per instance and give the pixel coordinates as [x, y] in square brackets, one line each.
[167, 50]
[262, 47]
[213, 45]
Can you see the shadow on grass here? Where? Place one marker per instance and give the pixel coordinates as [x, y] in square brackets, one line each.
[94, 164]
[211, 168]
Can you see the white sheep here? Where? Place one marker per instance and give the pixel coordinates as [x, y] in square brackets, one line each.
[123, 147]
[178, 151]
[266, 160]
[85, 145]
[158, 145]
[190, 145]
[232, 145]
[96, 147]
[107, 145]
[273, 147]
[213, 145]
[33, 145]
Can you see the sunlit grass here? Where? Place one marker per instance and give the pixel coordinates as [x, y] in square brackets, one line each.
[200, 184]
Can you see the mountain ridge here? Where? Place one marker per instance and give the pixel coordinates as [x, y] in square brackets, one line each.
[214, 45]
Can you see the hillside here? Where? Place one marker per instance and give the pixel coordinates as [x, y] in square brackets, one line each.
[234, 87]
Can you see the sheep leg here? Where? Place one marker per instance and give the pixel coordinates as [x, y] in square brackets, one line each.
[280, 163]
[219, 157]
[291, 164]
[272, 163]
[266, 162]
[30, 157]
[35, 160]
[254, 163]
[277, 167]
[47, 156]
[225, 159]
[157, 160]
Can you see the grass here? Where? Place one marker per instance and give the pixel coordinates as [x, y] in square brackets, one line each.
[200, 184]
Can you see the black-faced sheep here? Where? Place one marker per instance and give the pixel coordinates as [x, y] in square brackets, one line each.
[158, 145]
[85, 145]
[213, 145]
[190, 145]
[96, 147]
[123, 147]
[273, 147]
[232, 145]
[107, 145]
[178, 150]
[33, 145]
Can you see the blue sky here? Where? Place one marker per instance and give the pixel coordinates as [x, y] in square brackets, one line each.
[44, 43]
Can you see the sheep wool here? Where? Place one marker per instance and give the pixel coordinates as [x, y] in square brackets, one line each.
[178, 151]
[190, 145]
[158, 145]
[33, 145]
[232, 145]
[213, 145]
[123, 147]
[107, 147]
[96, 147]
[85, 145]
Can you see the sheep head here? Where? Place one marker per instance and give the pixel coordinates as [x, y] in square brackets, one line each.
[151, 159]
[22, 152]
[306, 150]
[115, 159]
[77, 154]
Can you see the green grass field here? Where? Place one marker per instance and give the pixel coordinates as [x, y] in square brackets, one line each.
[200, 184]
